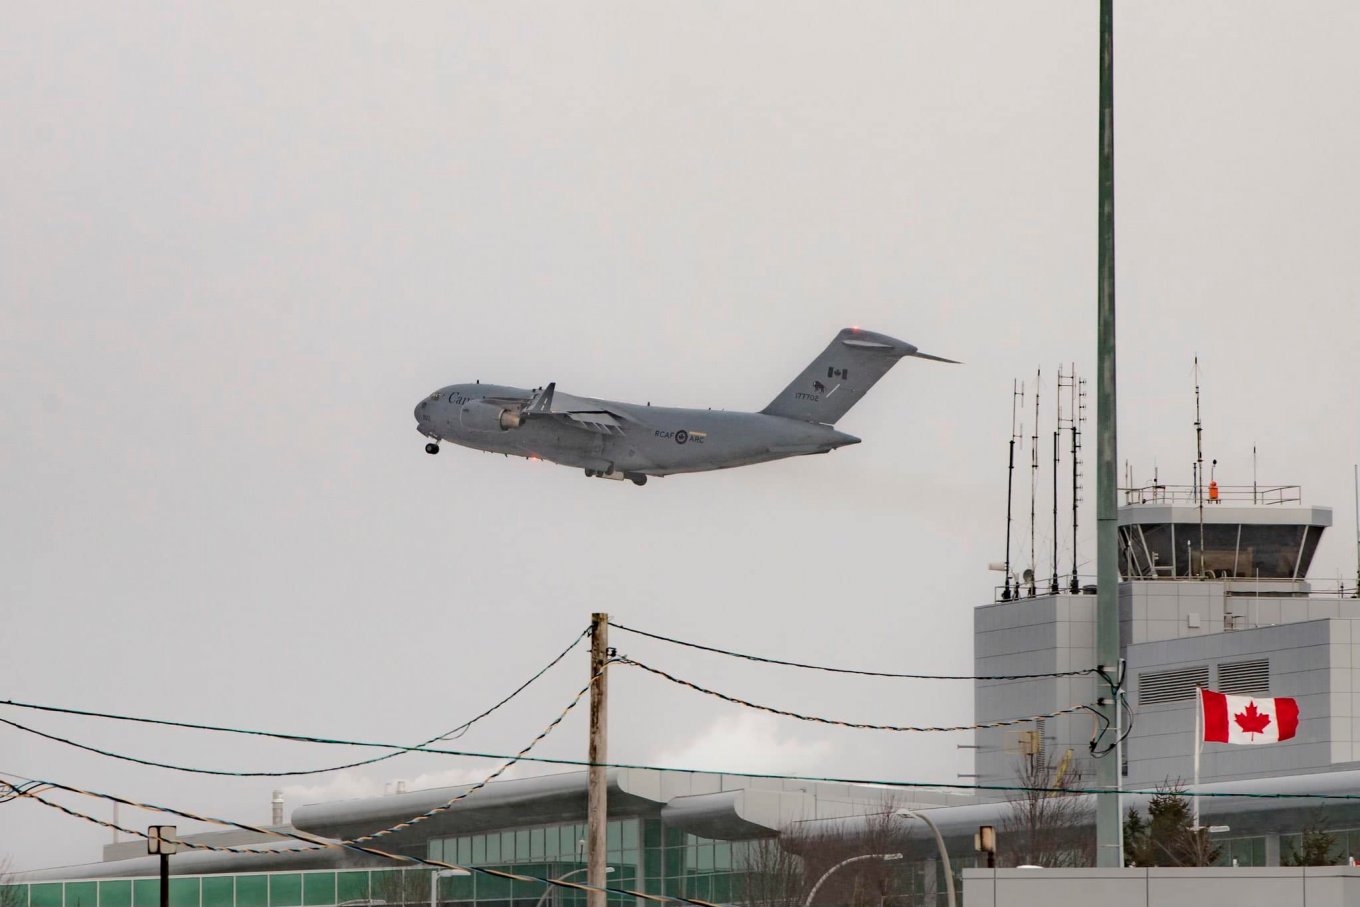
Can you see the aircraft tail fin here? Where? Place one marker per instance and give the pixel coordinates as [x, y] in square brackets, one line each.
[841, 375]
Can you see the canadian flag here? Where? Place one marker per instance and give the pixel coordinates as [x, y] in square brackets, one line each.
[1248, 719]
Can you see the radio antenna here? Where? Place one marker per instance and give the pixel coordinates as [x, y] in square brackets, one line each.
[1034, 486]
[1017, 399]
[1053, 581]
[1199, 471]
[1357, 531]
[1076, 414]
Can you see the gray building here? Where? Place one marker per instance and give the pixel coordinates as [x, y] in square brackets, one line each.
[1215, 594]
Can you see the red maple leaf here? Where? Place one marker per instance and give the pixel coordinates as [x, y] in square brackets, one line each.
[1251, 721]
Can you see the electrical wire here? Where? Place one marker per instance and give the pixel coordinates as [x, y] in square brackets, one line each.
[642, 766]
[1008, 722]
[455, 733]
[322, 843]
[1104, 726]
[812, 667]
[469, 791]
[407, 823]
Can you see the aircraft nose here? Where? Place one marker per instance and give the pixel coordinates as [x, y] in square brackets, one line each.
[423, 414]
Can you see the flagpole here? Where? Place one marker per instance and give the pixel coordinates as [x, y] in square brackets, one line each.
[1199, 744]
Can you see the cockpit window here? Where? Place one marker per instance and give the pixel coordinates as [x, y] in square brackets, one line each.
[434, 396]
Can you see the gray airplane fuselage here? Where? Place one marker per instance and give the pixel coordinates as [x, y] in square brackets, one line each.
[647, 440]
[615, 440]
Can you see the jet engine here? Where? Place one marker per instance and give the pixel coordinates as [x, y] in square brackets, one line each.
[479, 416]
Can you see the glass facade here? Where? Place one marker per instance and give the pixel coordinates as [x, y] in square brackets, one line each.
[645, 856]
[355, 888]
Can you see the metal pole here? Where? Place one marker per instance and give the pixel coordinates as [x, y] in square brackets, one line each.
[1109, 828]
[1075, 586]
[1034, 486]
[596, 790]
[442, 874]
[542, 898]
[864, 856]
[165, 880]
[1010, 480]
[939, 843]
[1053, 583]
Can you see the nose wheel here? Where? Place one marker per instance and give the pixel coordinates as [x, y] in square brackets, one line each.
[432, 448]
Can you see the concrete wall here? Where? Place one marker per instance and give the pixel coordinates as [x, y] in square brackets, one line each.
[1324, 886]
[1048, 633]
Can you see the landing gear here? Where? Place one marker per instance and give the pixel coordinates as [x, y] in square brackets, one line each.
[432, 448]
[636, 478]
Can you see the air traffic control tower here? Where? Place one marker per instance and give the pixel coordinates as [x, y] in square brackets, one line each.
[1215, 593]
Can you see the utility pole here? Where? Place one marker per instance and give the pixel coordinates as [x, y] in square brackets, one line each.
[597, 810]
[1109, 828]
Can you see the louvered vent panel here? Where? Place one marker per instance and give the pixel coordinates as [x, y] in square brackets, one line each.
[1244, 677]
[1171, 686]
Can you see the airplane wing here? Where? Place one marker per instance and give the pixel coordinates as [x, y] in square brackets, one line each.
[580, 412]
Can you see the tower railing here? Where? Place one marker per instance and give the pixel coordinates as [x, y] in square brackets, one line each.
[1157, 493]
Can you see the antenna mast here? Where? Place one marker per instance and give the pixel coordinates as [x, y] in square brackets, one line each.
[1357, 531]
[1017, 394]
[1053, 581]
[1199, 472]
[1076, 415]
[1034, 486]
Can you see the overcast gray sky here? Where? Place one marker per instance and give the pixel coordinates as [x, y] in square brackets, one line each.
[238, 242]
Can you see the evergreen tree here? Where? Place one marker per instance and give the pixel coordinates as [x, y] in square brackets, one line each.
[1167, 837]
[1315, 849]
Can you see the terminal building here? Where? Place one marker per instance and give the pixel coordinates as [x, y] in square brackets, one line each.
[683, 834]
[1214, 593]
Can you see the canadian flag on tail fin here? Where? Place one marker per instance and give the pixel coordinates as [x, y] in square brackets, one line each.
[1248, 719]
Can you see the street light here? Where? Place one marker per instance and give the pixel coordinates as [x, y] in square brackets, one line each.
[944, 854]
[163, 840]
[885, 857]
[575, 872]
[442, 874]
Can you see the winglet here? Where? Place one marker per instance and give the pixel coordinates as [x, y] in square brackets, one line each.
[541, 404]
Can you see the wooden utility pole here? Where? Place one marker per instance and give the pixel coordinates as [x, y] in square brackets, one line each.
[597, 810]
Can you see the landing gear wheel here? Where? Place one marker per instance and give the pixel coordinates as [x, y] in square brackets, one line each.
[432, 448]
[590, 473]
[638, 480]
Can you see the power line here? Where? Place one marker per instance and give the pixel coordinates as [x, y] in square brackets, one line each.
[813, 667]
[1008, 722]
[581, 763]
[463, 795]
[455, 733]
[29, 792]
[407, 823]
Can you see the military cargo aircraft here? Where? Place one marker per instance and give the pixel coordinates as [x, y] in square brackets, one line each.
[632, 441]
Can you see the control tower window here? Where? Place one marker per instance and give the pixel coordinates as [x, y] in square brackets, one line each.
[1222, 550]
[1272, 552]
